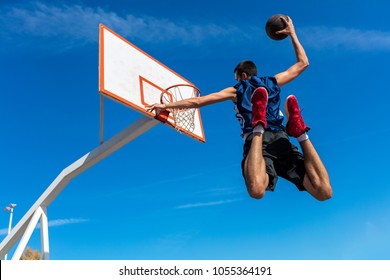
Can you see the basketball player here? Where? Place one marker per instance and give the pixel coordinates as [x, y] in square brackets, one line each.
[268, 152]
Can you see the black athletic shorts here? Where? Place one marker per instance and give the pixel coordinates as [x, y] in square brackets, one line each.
[281, 157]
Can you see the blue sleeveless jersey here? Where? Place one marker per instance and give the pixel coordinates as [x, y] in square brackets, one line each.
[243, 105]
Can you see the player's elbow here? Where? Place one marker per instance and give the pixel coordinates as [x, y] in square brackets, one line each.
[301, 67]
[304, 64]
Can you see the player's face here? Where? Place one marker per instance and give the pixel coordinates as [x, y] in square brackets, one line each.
[237, 77]
[243, 76]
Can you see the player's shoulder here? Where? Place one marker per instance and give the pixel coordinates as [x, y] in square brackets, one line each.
[269, 82]
[266, 79]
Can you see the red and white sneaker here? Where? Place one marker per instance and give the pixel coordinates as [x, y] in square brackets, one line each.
[295, 125]
[259, 101]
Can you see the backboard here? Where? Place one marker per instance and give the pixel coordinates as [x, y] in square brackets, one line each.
[133, 78]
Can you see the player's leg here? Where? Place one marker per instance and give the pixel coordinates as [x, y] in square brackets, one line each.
[316, 180]
[254, 168]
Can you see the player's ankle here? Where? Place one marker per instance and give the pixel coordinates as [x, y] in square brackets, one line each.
[258, 129]
[303, 137]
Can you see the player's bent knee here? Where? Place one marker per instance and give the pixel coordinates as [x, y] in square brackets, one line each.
[256, 186]
[324, 193]
[257, 194]
[256, 191]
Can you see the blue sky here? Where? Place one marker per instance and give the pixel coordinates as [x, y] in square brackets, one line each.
[126, 207]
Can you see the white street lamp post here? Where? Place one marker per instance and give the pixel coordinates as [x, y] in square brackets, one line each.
[9, 208]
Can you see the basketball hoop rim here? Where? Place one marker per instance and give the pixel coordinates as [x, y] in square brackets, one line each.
[178, 85]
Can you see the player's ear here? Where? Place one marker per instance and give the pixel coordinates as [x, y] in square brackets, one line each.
[244, 76]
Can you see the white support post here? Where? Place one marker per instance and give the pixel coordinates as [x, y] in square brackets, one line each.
[44, 235]
[27, 234]
[10, 224]
[101, 136]
[101, 152]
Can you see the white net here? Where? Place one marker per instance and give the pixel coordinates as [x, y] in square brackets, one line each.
[184, 118]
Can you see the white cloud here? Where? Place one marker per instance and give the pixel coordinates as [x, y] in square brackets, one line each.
[69, 26]
[62, 222]
[205, 204]
[79, 25]
[350, 39]
[54, 223]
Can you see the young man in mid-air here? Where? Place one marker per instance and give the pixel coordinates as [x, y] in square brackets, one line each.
[268, 151]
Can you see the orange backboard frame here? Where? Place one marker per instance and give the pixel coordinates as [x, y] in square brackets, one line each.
[135, 79]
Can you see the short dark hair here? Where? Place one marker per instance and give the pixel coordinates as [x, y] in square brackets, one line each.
[247, 67]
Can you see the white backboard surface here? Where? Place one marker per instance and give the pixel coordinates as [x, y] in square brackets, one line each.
[134, 78]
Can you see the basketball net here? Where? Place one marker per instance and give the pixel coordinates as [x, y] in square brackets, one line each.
[183, 118]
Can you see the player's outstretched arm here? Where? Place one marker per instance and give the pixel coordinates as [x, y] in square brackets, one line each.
[196, 102]
[302, 60]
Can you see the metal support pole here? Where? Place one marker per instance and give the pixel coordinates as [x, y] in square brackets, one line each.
[44, 235]
[27, 234]
[9, 208]
[9, 226]
[101, 152]
[101, 140]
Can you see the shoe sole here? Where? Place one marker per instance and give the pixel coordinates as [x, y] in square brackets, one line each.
[263, 96]
[286, 107]
[266, 93]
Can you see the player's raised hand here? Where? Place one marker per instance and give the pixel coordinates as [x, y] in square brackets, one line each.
[289, 26]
